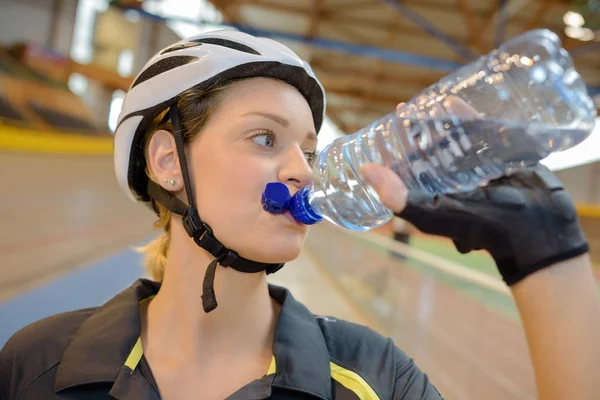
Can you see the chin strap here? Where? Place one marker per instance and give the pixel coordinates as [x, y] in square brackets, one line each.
[200, 231]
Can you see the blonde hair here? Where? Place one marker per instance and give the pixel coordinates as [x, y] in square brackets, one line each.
[195, 107]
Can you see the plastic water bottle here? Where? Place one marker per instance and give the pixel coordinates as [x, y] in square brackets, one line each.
[503, 112]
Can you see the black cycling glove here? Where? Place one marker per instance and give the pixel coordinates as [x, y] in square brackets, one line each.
[526, 221]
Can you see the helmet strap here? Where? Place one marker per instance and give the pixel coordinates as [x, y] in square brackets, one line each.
[199, 231]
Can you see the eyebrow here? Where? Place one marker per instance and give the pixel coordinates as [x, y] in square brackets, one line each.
[281, 121]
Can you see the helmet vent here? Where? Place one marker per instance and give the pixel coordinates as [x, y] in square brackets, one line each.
[227, 43]
[163, 66]
[180, 46]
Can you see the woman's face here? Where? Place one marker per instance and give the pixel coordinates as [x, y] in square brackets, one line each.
[261, 132]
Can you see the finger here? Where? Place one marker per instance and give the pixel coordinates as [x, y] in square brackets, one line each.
[459, 107]
[387, 184]
[401, 106]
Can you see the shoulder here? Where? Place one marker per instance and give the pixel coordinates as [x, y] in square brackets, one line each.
[46, 336]
[349, 341]
[360, 353]
[365, 356]
[36, 348]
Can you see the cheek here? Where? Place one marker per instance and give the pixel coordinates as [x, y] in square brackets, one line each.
[229, 188]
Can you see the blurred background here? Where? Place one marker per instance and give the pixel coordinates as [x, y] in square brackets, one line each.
[67, 231]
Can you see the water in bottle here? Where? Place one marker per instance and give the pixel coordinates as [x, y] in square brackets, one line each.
[497, 115]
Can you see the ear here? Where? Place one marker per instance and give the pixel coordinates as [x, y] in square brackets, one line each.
[164, 162]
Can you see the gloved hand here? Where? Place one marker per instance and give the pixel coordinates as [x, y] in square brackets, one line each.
[526, 221]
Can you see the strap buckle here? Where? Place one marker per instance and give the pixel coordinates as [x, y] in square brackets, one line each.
[192, 223]
[228, 258]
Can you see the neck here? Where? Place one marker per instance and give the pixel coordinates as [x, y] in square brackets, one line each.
[244, 320]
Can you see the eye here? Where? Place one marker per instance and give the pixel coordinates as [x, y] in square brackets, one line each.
[264, 139]
[310, 157]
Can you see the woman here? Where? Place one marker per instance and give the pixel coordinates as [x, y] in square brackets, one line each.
[206, 125]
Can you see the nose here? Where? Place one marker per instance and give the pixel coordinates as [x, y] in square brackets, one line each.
[295, 171]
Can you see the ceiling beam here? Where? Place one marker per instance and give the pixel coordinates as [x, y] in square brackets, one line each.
[348, 32]
[386, 101]
[329, 15]
[349, 5]
[378, 73]
[315, 18]
[503, 10]
[340, 18]
[431, 29]
[358, 126]
[501, 17]
[274, 5]
[338, 46]
[361, 109]
[353, 73]
[360, 22]
[471, 21]
[542, 10]
[226, 8]
[341, 14]
[359, 50]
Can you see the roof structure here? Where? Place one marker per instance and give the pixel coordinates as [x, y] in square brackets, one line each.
[372, 54]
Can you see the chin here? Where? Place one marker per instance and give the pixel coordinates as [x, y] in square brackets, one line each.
[276, 251]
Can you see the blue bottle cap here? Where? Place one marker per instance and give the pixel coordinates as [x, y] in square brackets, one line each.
[275, 199]
[301, 209]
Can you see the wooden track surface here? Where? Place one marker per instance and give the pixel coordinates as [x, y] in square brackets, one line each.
[57, 213]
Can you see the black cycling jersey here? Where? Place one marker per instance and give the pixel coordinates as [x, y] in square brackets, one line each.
[96, 353]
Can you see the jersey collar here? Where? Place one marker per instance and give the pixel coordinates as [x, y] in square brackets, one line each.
[104, 342]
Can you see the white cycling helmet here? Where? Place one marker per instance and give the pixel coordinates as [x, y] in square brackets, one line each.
[199, 61]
